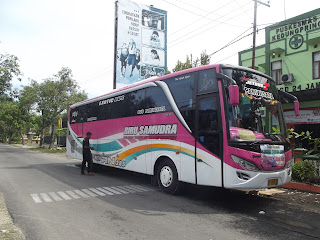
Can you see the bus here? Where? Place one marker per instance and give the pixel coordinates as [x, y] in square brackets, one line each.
[214, 125]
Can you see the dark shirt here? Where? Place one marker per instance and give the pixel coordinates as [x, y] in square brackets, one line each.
[86, 151]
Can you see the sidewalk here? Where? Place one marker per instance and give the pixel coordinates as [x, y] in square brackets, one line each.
[24, 146]
[7, 230]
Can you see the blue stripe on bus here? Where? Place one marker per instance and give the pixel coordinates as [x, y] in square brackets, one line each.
[106, 147]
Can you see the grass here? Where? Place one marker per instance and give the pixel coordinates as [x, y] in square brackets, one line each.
[46, 150]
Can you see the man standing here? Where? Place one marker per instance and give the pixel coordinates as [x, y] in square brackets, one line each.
[87, 156]
[124, 52]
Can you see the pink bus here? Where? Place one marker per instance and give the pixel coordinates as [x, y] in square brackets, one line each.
[215, 125]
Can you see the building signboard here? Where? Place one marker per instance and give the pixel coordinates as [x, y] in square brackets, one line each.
[306, 116]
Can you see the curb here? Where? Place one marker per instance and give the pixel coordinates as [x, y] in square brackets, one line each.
[302, 186]
[7, 229]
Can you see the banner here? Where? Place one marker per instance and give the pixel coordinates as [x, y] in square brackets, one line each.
[141, 42]
[306, 116]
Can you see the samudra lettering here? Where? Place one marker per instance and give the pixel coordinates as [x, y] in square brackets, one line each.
[167, 129]
[258, 93]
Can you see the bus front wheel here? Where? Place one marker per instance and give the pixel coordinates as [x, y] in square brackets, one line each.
[168, 177]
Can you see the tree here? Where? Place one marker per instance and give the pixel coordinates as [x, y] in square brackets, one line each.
[204, 58]
[189, 63]
[52, 97]
[13, 120]
[9, 67]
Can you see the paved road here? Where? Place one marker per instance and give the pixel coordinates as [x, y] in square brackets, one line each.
[49, 199]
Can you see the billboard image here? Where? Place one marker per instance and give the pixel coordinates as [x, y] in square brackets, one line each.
[140, 42]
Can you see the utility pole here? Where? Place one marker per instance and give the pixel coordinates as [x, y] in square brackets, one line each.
[255, 30]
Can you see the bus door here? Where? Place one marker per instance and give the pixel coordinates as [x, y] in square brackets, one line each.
[208, 135]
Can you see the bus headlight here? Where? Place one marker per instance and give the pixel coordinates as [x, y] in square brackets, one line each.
[245, 164]
[289, 164]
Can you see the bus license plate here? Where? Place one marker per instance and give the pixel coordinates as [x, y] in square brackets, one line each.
[272, 182]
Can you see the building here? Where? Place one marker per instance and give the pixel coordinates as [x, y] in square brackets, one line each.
[291, 55]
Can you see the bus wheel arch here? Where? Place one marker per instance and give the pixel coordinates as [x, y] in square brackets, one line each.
[166, 175]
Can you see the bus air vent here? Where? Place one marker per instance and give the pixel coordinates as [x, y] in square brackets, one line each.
[243, 176]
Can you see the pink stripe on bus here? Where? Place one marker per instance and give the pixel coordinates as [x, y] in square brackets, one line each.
[123, 142]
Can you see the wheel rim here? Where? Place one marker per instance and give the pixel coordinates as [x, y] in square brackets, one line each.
[166, 176]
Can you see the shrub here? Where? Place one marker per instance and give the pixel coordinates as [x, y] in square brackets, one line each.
[303, 171]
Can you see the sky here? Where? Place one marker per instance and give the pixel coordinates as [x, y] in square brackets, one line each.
[47, 35]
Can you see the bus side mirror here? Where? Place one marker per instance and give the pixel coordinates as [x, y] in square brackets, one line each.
[296, 107]
[234, 95]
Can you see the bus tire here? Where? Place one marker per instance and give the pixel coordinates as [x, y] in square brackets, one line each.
[167, 177]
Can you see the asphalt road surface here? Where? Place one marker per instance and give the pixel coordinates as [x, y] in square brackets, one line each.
[49, 199]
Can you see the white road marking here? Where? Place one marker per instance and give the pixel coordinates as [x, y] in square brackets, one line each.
[55, 196]
[112, 190]
[105, 191]
[85, 193]
[82, 194]
[135, 189]
[97, 192]
[64, 195]
[91, 194]
[72, 194]
[127, 189]
[119, 190]
[72, 165]
[138, 187]
[45, 197]
[143, 187]
[36, 198]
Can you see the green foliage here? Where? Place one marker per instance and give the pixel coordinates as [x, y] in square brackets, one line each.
[13, 120]
[275, 130]
[52, 97]
[313, 143]
[9, 67]
[303, 171]
[189, 63]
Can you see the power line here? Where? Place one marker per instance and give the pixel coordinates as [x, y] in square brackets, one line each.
[192, 6]
[189, 10]
[202, 17]
[102, 71]
[203, 31]
[232, 42]
[227, 57]
[210, 23]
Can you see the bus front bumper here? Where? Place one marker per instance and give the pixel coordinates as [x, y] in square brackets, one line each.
[242, 179]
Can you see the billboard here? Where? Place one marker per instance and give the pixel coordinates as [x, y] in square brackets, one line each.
[140, 42]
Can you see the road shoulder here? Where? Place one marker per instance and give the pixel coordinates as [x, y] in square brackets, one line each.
[8, 231]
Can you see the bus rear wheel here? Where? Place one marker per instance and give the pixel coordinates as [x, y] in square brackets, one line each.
[167, 177]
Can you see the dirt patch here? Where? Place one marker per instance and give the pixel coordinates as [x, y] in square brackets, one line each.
[303, 200]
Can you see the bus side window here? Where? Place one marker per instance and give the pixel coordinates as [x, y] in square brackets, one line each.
[182, 89]
[82, 114]
[155, 97]
[134, 102]
[207, 81]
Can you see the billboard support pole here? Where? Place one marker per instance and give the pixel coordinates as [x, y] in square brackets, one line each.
[115, 45]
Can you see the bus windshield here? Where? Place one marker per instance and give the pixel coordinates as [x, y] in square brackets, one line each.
[258, 117]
